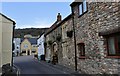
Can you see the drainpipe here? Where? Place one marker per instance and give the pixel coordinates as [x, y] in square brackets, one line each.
[74, 40]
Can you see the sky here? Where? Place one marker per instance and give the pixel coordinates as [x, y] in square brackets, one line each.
[35, 14]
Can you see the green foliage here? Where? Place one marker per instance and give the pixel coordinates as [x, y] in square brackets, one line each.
[50, 42]
[19, 33]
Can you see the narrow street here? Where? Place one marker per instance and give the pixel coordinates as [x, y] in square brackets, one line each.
[29, 65]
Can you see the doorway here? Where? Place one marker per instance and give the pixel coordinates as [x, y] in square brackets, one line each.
[55, 53]
[28, 52]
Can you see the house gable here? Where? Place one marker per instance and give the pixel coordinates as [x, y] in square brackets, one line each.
[5, 19]
[25, 42]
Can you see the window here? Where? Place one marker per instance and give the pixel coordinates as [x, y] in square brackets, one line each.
[80, 9]
[113, 45]
[83, 7]
[17, 47]
[81, 49]
[25, 46]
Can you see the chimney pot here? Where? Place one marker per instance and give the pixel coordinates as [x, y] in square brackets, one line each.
[58, 17]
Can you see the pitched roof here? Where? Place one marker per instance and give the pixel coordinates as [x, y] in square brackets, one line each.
[33, 41]
[8, 18]
[76, 2]
[51, 28]
[57, 24]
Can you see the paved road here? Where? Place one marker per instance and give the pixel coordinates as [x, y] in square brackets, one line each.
[29, 65]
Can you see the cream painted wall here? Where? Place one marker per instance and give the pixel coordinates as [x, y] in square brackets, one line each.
[35, 48]
[0, 42]
[6, 31]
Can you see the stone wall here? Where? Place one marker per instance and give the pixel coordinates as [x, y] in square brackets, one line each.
[68, 48]
[99, 17]
[52, 36]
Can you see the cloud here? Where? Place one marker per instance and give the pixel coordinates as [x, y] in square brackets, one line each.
[35, 24]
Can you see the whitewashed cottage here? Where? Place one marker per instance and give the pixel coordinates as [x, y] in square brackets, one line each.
[40, 43]
[17, 46]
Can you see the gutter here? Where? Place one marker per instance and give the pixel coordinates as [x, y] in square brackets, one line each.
[13, 46]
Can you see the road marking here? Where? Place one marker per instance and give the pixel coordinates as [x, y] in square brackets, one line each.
[18, 70]
[0, 74]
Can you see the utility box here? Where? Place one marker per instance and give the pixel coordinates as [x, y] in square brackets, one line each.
[6, 40]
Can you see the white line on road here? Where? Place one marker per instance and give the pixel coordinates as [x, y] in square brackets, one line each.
[18, 70]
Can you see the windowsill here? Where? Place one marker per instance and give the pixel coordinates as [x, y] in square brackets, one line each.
[82, 57]
[113, 57]
[82, 14]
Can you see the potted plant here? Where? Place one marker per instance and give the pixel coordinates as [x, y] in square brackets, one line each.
[69, 33]
[50, 42]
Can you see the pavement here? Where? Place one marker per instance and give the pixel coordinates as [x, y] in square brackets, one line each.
[29, 65]
[61, 67]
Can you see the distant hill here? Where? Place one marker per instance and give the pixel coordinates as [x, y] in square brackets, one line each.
[19, 33]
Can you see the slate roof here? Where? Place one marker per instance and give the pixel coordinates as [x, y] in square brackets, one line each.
[76, 2]
[51, 28]
[33, 41]
[57, 24]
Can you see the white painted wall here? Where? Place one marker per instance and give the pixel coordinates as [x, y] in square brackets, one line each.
[48, 51]
[17, 45]
[40, 43]
[48, 54]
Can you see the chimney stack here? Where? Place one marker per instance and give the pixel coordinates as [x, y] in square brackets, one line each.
[58, 17]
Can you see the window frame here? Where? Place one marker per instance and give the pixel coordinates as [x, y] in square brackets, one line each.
[83, 50]
[116, 55]
[83, 12]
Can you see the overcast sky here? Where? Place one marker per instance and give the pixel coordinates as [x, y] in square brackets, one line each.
[35, 14]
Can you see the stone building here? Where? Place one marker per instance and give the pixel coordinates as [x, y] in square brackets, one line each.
[97, 36]
[67, 42]
[52, 38]
[90, 38]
